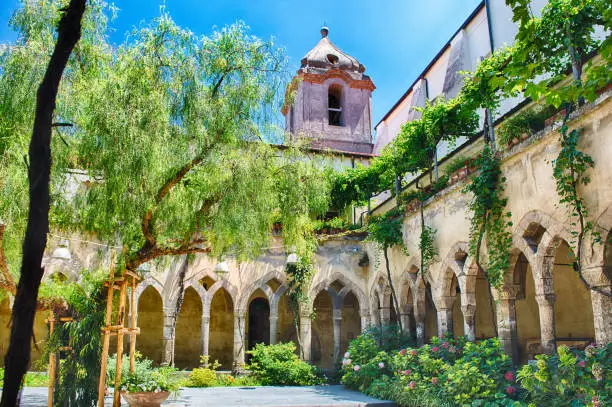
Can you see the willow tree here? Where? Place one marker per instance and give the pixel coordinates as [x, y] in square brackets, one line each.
[173, 141]
[161, 144]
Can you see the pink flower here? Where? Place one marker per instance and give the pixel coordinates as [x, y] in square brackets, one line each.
[445, 345]
[356, 368]
[510, 390]
[452, 349]
[412, 384]
[434, 349]
[581, 363]
[347, 355]
[402, 352]
[509, 376]
[434, 380]
[407, 372]
[413, 352]
[381, 365]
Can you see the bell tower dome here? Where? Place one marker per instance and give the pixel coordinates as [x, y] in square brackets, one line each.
[332, 100]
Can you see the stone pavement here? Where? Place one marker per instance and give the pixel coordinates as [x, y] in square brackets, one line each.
[314, 396]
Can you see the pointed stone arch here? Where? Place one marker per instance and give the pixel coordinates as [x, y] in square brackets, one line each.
[229, 288]
[150, 281]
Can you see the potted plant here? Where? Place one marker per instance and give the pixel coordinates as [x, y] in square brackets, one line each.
[148, 388]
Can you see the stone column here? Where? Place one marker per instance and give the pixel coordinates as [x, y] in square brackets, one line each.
[420, 329]
[546, 307]
[365, 320]
[273, 328]
[306, 334]
[405, 318]
[506, 323]
[420, 308]
[168, 335]
[602, 303]
[469, 321]
[205, 334]
[444, 305]
[337, 313]
[385, 316]
[239, 339]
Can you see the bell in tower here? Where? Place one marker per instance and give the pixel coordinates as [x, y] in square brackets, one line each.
[332, 104]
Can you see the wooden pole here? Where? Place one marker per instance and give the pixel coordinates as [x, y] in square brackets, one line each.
[52, 372]
[133, 325]
[120, 334]
[106, 333]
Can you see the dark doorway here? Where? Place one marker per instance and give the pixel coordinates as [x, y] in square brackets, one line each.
[259, 322]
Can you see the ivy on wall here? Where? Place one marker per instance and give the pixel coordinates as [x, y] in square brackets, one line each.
[490, 222]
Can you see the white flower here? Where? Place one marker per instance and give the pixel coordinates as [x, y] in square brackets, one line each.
[346, 355]
[381, 365]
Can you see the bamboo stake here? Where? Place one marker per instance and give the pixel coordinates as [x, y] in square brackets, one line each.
[105, 334]
[133, 324]
[51, 322]
[120, 335]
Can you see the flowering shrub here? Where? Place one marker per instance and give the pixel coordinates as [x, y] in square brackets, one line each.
[455, 372]
[570, 378]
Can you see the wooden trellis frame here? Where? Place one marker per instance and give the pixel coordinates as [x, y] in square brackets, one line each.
[54, 357]
[119, 283]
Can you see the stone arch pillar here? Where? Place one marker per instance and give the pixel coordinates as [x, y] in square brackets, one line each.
[420, 308]
[444, 307]
[239, 338]
[306, 332]
[506, 321]
[602, 303]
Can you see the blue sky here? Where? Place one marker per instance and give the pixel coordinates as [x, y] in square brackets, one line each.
[394, 39]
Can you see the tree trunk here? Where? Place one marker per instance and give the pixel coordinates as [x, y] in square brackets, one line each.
[393, 295]
[179, 302]
[17, 358]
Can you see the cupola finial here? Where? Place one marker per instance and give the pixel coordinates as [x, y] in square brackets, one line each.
[324, 31]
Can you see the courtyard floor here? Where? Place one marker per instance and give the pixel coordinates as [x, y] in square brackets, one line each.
[269, 396]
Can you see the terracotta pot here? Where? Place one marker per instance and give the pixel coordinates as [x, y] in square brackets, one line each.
[145, 399]
[515, 141]
[524, 136]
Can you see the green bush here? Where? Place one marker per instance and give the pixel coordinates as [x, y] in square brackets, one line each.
[141, 366]
[527, 121]
[570, 378]
[455, 372]
[279, 365]
[203, 377]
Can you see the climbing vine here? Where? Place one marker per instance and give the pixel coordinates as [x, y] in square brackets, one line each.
[426, 244]
[490, 221]
[386, 231]
[299, 276]
[570, 170]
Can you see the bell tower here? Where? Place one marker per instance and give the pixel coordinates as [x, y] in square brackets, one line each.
[332, 100]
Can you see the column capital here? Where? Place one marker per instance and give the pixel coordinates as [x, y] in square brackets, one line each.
[468, 310]
[337, 313]
[596, 276]
[445, 303]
